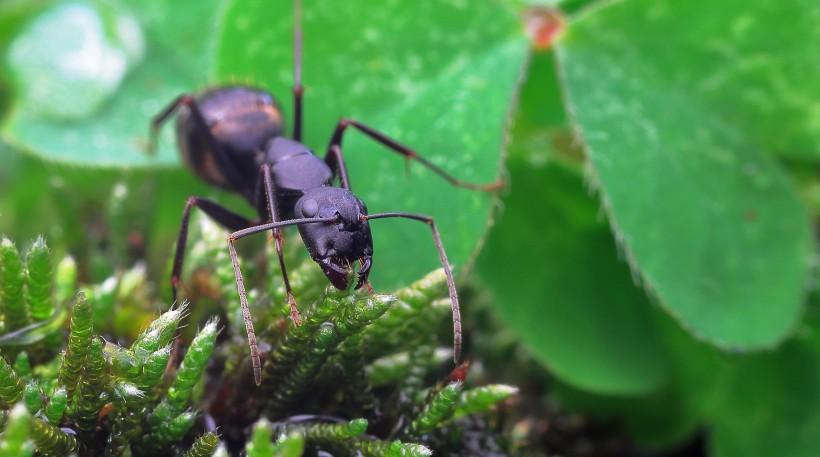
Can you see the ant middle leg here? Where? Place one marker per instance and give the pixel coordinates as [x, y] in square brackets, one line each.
[273, 211]
[334, 155]
[270, 196]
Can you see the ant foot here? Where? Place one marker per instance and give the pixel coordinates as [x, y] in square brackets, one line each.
[294, 312]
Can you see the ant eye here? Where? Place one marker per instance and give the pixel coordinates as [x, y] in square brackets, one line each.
[310, 208]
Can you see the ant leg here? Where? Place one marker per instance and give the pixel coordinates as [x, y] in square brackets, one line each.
[240, 283]
[390, 143]
[224, 164]
[221, 215]
[297, 71]
[273, 211]
[336, 161]
[367, 283]
[246, 315]
[451, 285]
[159, 120]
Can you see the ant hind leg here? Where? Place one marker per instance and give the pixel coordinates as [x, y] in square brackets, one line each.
[215, 211]
[333, 156]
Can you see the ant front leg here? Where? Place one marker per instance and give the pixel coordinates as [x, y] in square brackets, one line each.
[218, 213]
[273, 211]
[451, 284]
[335, 161]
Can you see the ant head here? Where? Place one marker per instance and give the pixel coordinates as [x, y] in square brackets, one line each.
[334, 246]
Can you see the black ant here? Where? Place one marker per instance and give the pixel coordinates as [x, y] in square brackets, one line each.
[232, 137]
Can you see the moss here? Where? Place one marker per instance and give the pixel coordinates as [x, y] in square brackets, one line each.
[129, 384]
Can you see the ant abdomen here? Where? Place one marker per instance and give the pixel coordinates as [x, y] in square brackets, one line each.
[241, 121]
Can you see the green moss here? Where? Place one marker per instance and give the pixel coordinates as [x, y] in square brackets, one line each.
[147, 397]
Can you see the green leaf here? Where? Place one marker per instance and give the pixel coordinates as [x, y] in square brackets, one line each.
[437, 76]
[553, 266]
[678, 130]
[62, 124]
[688, 399]
[772, 405]
[13, 15]
[558, 283]
[671, 414]
[37, 331]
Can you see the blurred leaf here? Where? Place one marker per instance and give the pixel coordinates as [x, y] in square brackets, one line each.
[677, 130]
[673, 413]
[772, 405]
[552, 263]
[558, 283]
[13, 15]
[176, 43]
[698, 374]
[540, 131]
[437, 76]
[744, 62]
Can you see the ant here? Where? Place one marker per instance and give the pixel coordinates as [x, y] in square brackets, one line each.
[233, 137]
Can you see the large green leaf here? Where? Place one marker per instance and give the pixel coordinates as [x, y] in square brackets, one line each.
[558, 283]
[673, 131]
[437, 76]
[552, 264]
[176, 39]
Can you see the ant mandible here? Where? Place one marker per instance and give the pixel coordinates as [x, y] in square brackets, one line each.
[232, 137]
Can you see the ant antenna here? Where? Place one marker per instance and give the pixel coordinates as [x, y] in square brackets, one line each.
[297, 70]
[240, 284]
[451, 285]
